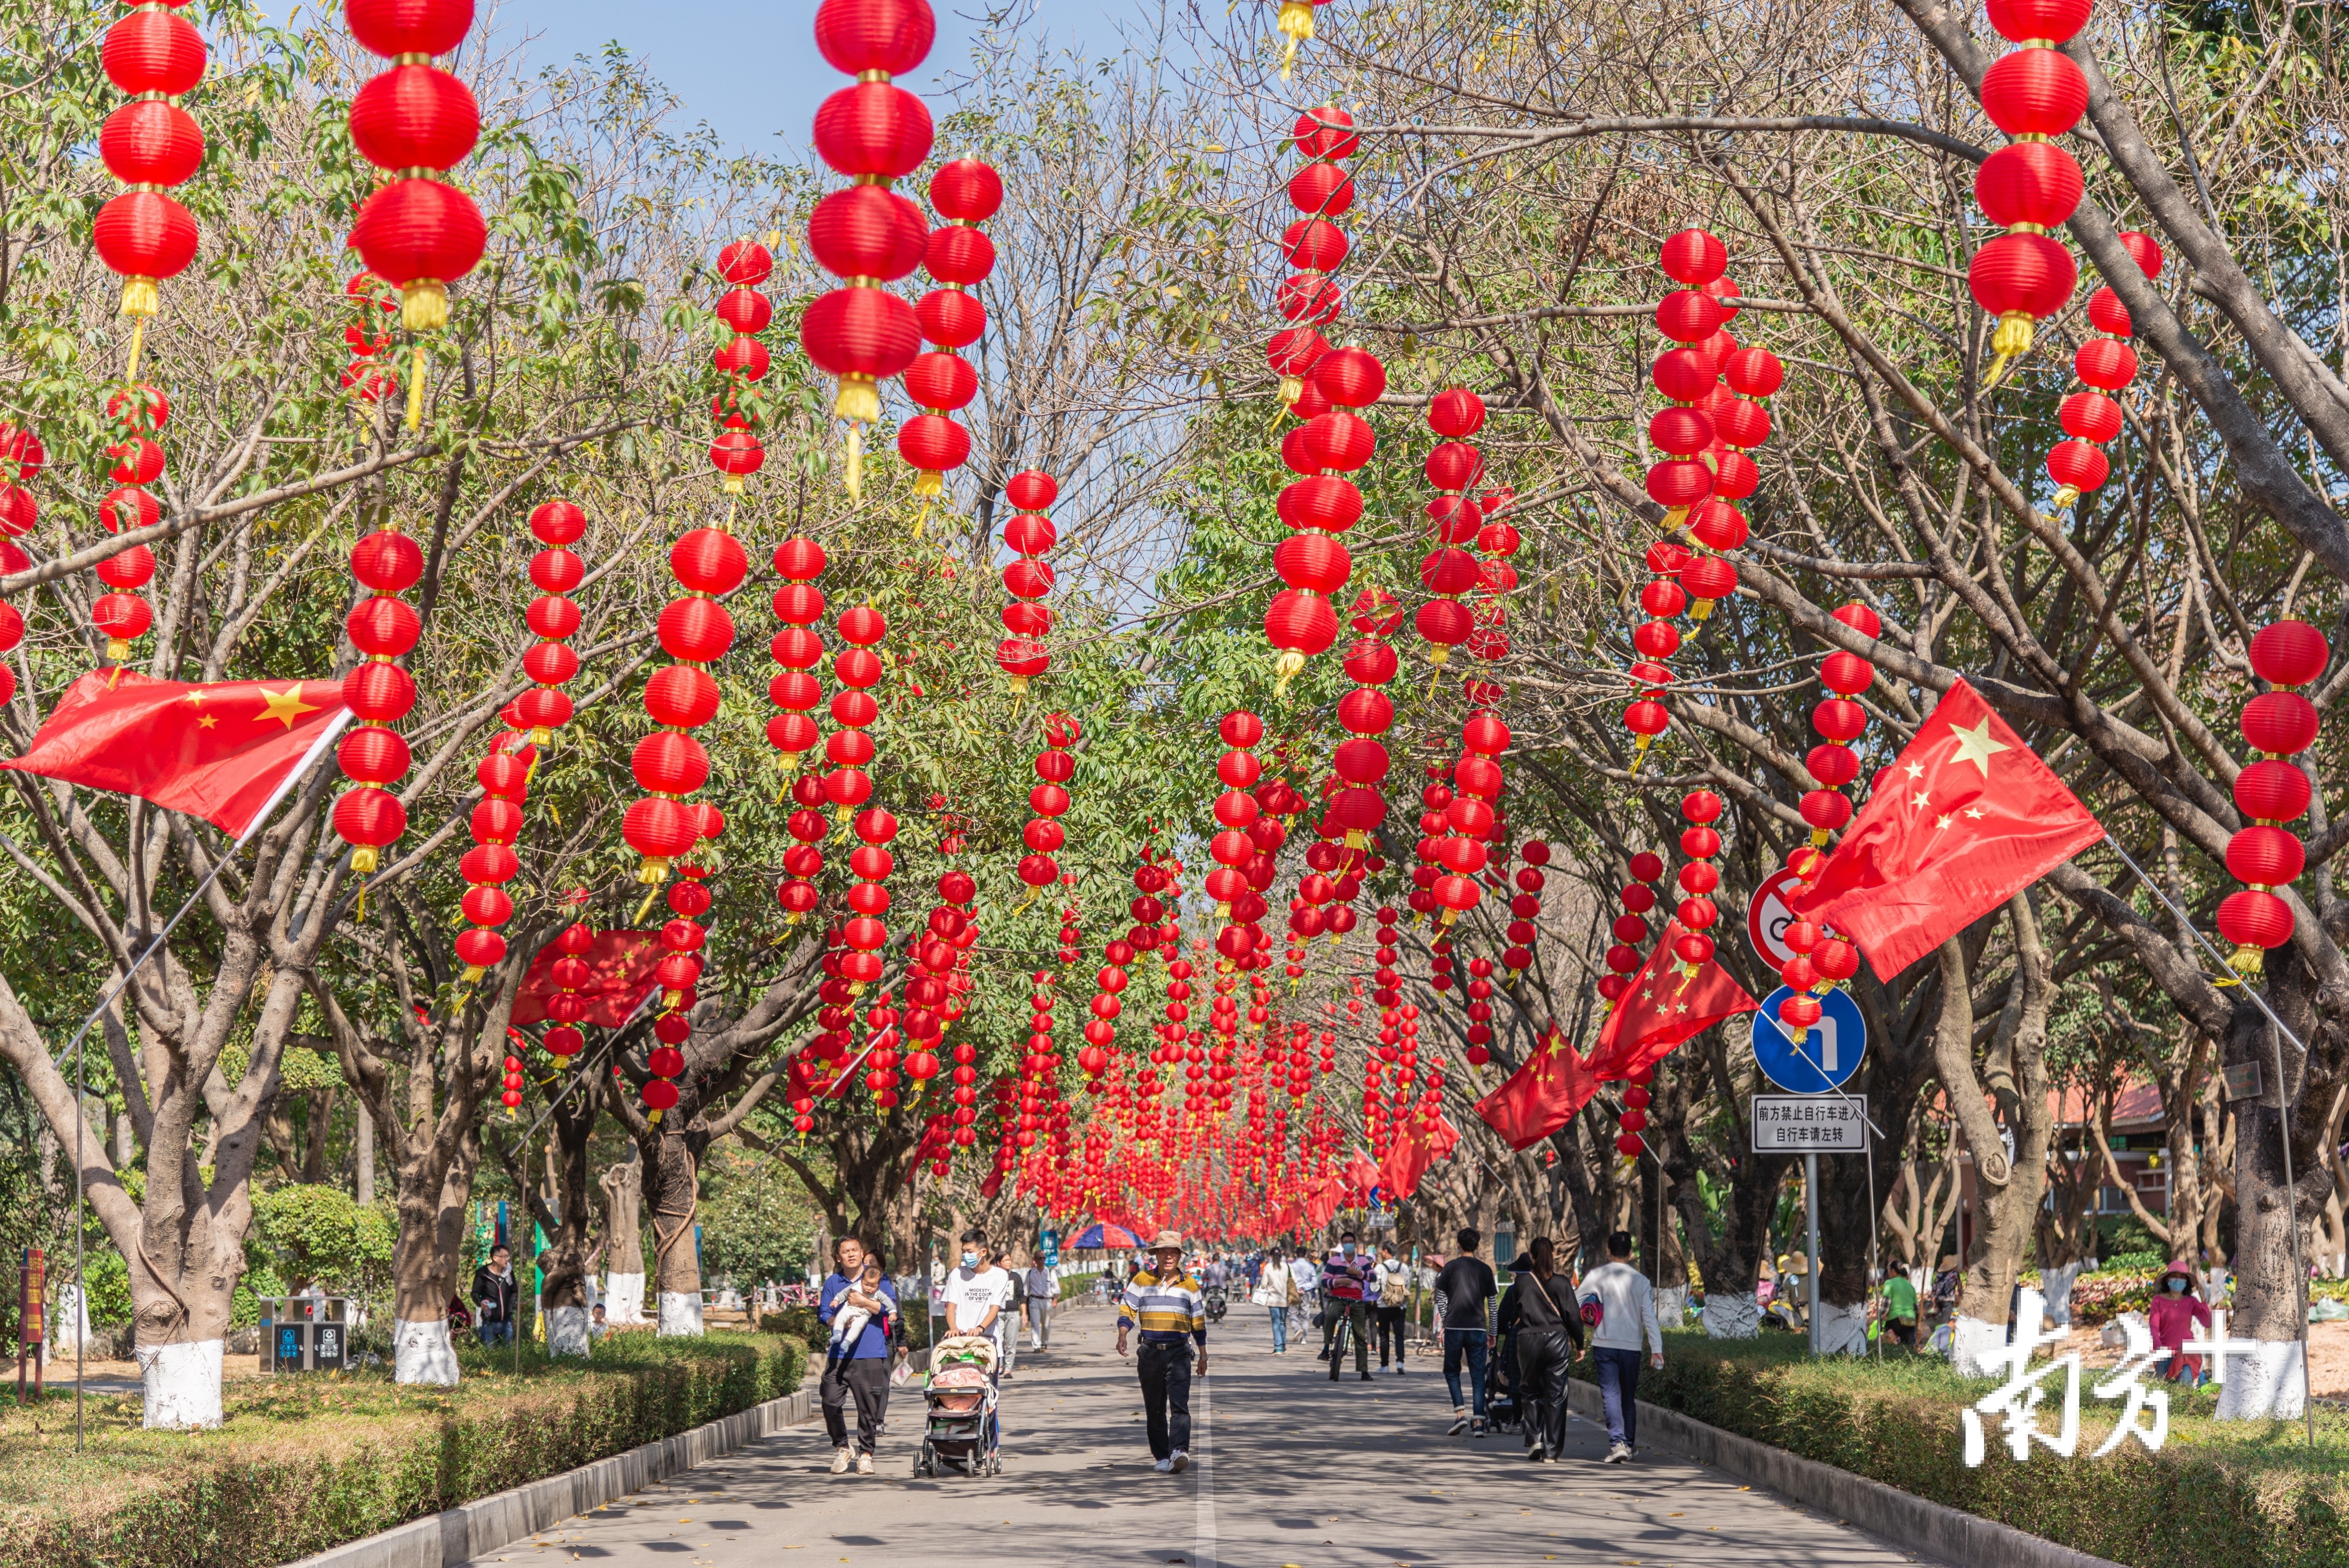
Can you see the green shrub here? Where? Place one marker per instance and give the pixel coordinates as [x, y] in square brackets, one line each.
[1078, 1284]
[799, 1324]
[306, 1463]
[2219, 1495]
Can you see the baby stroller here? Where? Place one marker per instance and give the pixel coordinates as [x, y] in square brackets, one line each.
[1503, 1411]
[959, 1428]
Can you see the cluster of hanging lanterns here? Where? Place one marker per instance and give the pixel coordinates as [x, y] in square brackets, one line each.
[1100, 1030]
[799, 604]
[676, 973]
[669, 764]
[1839, 720]
[1055, 765]
[1333, 441]
[414, 122]
[1022, 655]
[384, 628]
[858, 670]
[1238, 847]
[735, 451]
[1525, 907]
[154, 56]
[2107, 364]
[959, 256]
[552, 617]
[873, 133]
[2034, 94]
[490, 863]
[870, 862]
[1696, 912]
[570, 973]
[1623, 957]
[138, 413]
[2279, 724]
[1469, 815]
[1320, 189]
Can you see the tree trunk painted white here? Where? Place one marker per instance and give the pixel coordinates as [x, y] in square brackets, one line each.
[1730, 1316]
[2056, 1285]
[681, 1314]
[1671, 1305]
[624, 1300]
[1843, 1330]
[182, 1385]
[420, 1352]
[69, 1323]
[2269, 1384]
[1974, 1347]
[567, 1331]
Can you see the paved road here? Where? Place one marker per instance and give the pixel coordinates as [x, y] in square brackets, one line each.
[1291, 1471]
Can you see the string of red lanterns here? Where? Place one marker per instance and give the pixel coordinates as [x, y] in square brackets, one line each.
[414, 122]
[2279, 724]
[797, 649]
[2107, 364]
[959, 256]
[736, 452]
[2034, 94]
[1022, 655]
[384, 628]
[154, 56]
[873, 133]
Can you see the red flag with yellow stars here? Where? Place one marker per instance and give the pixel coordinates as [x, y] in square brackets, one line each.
[226, 751]
[1966, 818]
[1417, 1146]
[1540, 1097]
[1668, 1002]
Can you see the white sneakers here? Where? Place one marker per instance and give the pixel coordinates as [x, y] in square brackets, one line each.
[1164, 1466]
[864, 1464]
[841, 1459]
[1178, 1461]
[1618, 1454]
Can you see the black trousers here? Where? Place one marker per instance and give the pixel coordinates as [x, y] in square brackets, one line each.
[1165, 1395]
[866, 1380]
[1390, 1332]
[1354, 1316]
[1542, 1358]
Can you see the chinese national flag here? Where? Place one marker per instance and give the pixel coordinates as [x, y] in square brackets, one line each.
[1540, 1097]
[1361, 1174]
[1416, 1147]
[1965, 818]
[620, 968]
[226, 751]
[1323, 1204]
[1666, 1005]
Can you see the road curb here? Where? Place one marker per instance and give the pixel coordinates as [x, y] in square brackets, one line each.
[1902, 1517]
[454, 1535]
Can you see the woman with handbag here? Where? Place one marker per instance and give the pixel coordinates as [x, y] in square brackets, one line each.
[1276, 1292]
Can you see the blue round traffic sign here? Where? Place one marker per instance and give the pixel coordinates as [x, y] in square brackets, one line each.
[1829, 1052]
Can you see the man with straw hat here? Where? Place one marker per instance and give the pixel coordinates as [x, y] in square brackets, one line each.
[1164, 1304]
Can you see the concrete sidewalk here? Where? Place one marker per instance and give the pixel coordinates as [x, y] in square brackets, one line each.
[1291, 1470]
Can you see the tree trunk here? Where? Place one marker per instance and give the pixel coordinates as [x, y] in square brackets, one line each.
[2270, 1296]
[426, 1257]
[2007, 1192]
[362, 1158]
[624, 1240]
[672, 1172]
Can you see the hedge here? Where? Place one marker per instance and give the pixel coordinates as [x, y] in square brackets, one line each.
[2219, 1495]
[308, 1462]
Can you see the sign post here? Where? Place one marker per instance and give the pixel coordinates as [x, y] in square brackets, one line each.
[1814, 1124]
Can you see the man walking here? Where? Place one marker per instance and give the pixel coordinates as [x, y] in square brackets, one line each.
[1164, 1304]
[858, 1368]
[1346, 1276]
[1042, 1291]
[1461, 1292]
[1625, 1306]
[494, 1293]
[1549, 1336]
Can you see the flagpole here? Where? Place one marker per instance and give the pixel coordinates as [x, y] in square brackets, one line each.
[2284, 1130]
[74, 1044]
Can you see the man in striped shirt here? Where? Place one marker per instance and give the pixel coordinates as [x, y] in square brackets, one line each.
[1164, 1304]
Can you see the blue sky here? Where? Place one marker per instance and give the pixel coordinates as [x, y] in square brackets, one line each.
[750, 69]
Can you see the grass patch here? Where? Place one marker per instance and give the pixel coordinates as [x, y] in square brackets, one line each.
[303, 1463]
[2219, 1495]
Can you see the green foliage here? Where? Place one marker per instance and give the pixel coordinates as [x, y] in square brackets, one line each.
[757, 1222]
[799, 1323]
[306, 1463]
[2230, 1495]
[1078, 1284]
[316, 1234]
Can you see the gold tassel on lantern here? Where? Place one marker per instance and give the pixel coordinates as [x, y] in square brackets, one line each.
[1296, 24]
[2009, 342]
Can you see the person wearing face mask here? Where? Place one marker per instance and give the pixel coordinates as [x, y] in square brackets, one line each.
[977, 1295]
[1346, 1284]
[2174, 1312]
